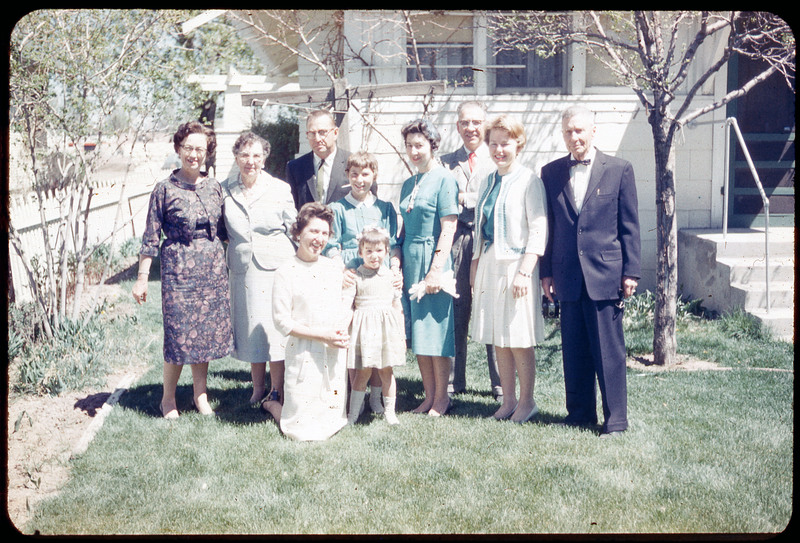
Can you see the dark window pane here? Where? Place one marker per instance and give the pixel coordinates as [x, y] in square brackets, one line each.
[534, 71]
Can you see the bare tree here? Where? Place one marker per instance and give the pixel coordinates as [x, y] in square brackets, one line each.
[83, 84]
[651, 52]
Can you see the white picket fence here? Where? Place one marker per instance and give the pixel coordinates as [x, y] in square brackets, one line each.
[25, 217]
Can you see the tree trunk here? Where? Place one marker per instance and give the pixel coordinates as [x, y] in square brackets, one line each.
[666, 296]
[81, 254]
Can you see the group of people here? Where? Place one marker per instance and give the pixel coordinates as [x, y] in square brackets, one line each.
[315, 278]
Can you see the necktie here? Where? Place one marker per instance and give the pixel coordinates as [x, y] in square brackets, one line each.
[471, 161]
[320, 182]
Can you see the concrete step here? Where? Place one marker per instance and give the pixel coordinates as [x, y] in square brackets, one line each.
[746, 269]
[747, 242]
[751, 296]
[779, 320]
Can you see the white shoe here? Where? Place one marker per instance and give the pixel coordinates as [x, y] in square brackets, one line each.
[389, 413]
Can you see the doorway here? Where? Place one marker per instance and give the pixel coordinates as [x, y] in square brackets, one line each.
[766, 118]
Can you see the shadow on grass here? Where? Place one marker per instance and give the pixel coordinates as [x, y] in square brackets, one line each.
[230, 399]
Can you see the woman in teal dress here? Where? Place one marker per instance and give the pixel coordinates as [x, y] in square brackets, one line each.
[429, 208]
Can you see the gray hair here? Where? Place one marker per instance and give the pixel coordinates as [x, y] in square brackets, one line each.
[471, 103]
[577, 111]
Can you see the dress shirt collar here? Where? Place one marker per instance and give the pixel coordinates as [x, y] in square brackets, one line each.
[368, 200]
[481, 152]
[328, 160]
[589, 156]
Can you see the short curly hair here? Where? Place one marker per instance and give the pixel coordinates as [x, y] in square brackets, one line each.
[195, 127]
[311, 210]
[424, 127]
[250, 138]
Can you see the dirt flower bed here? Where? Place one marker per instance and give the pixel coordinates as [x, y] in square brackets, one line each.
[42, 433]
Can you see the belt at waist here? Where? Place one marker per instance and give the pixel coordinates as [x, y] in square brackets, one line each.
[420, 239]
[201, 232]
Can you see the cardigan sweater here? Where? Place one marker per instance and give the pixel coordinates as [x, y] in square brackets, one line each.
[520, 215]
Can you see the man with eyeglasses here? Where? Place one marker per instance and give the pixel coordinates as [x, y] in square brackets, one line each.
[591, 264]
[319, 176]
[470, 164]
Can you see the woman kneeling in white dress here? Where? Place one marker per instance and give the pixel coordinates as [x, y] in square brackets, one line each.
[307, 307]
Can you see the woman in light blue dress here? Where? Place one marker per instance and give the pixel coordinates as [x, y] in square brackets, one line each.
[429, 208]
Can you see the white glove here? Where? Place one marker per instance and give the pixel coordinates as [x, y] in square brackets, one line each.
[448, 280]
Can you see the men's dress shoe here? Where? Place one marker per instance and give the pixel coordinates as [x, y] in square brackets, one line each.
[608, 435]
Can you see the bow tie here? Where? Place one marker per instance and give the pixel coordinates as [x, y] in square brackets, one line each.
[573, 162]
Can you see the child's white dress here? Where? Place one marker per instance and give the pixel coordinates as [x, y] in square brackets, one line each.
[377, 333]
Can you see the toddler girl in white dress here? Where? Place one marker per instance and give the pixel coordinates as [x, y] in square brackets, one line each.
[377, 333]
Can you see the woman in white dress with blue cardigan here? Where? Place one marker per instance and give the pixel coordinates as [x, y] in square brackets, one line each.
[510, 236]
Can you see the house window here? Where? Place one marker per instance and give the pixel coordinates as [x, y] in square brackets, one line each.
[449, 61]
[528, 71]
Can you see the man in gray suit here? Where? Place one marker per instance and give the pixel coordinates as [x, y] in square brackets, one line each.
[319, 176]
[470, 164]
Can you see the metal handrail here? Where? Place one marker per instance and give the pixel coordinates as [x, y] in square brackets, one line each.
[731, 122]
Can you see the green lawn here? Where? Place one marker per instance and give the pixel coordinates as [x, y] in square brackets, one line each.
[707, 451]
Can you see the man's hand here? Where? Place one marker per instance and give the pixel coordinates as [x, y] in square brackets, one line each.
[629, 285]
[548, 288]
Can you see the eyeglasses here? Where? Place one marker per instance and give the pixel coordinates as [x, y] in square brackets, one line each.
[468, 123]
[250, 157]
[189, 150]
[321, 133]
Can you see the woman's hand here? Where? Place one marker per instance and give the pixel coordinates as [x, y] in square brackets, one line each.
[336, 338]
[397, 281]
[433, 281]
[348, 279]
[139, 289]
[473, 271]
[520, 286]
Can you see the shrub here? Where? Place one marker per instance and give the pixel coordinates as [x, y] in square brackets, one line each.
[283, 135]
[741, 325]
[72, 360]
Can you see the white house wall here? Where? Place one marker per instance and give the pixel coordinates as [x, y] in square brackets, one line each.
[622, 130]
[622, 125]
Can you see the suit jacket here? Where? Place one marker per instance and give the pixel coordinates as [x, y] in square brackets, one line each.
[302, 179]
[601, 244]
[258, 229]
[468, 182]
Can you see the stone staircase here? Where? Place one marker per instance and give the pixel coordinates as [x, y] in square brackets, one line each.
[729, 273]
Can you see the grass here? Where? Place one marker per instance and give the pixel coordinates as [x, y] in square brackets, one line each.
[707, 451]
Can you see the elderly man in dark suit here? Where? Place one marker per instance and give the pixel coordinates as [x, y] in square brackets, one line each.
[591, 264]
[470, 164]
[319, 176]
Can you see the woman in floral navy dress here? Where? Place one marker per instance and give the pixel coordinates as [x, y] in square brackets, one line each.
[187, 208]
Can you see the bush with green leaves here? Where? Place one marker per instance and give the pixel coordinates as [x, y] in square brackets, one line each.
[72, 360]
